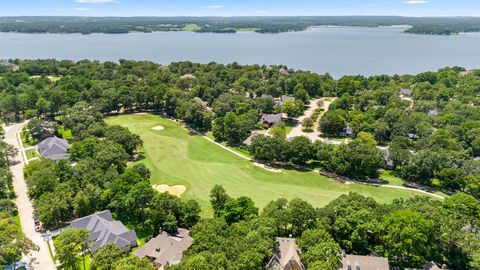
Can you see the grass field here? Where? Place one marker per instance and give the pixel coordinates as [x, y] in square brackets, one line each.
[31, 153]
[176, 157]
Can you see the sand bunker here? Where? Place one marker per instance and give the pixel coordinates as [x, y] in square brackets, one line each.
[158, 128]
[266, 167]
[176, 190]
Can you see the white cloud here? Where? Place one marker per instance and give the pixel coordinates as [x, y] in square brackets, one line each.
[59, 9]
[94, 1]
[215, 6]
[415, 2]
[261, 12]
[81, 9]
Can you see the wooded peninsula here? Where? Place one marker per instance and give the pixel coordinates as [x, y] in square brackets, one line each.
[120, 25]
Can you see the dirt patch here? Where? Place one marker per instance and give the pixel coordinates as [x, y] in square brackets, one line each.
[176, 190]
[266, 167]
[158, 128]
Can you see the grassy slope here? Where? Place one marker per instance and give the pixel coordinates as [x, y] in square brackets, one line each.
[175, 157]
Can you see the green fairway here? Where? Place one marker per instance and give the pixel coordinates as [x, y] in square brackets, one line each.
[176, 157]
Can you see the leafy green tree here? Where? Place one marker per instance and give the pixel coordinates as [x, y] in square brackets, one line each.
[12, 242]
[333, 122]
[106, 257]
[358, 159]
[463, 204]
[300, 150]
[241, 208]
[218, 199]
[69, 244]
[111, 154]
[138, 197]
[319, 250]
[293, 108]
[303, 216]
[133, 263]
[406, 238]
[124, 137]
[279, 130]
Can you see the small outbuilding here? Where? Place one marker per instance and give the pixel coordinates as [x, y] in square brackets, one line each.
[54, 148]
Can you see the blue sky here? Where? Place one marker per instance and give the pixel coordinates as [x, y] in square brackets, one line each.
[239, 7]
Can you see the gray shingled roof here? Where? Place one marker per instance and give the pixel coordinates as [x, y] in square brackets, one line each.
[103, 230]
[271, 118]
[53, 148]
[284, 98]
[364, 262]
[405, 91]
[286, 255]
[166, 249]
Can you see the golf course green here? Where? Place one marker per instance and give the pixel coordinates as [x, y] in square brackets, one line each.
[176, 157]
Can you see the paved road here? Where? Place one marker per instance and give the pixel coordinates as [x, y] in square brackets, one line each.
[25, 208]
[298, 129]
[315, 135]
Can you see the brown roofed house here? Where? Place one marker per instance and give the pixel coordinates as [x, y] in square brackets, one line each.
[286, 256]
[166, 249]
[357, 262]
[271, 119]
[284, 99]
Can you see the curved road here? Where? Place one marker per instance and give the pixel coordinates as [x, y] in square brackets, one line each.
[42, 259]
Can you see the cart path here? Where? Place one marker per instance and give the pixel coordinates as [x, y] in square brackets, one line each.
[42, 258]
[317, 171]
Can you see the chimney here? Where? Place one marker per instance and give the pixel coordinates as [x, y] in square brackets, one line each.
[444, 267]
[343, 254]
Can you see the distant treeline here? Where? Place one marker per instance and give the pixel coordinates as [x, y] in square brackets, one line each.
[118, 25]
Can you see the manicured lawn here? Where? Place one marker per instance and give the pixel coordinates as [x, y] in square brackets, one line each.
[391, 179]
[191, 27]
[176, 157]
[31, 153]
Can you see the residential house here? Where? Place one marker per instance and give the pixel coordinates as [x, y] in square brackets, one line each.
[165, 249]
[388, 163]
[433, 112]
[405, 92]
[284, 99]
[201, 102]
[429, 266]
[53, 148]
[103, 230]
[357, 262]
[412, 136]
[271, 119]
[284, 72]
[434, 266]
[286, 256]
[347, 133]
[248, 141]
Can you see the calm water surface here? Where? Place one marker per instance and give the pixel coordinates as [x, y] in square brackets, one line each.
[337, 50]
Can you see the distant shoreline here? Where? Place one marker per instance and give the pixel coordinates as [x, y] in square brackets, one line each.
[230, 25]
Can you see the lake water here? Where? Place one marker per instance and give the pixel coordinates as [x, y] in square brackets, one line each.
[337, 50]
